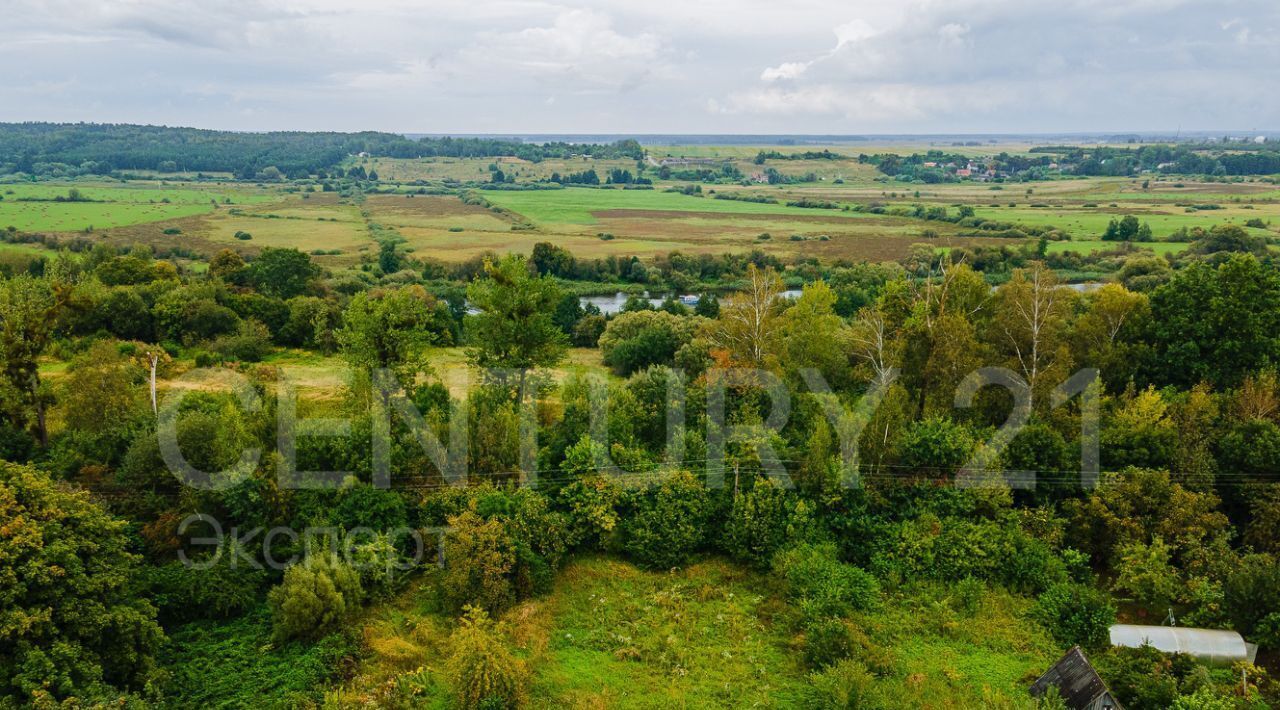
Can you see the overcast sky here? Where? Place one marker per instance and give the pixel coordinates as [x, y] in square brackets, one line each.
[646, 66]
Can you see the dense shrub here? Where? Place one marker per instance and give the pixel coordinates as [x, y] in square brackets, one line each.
[763, 520]
[250, 343]
[70, 617]
[667, 523]
[479, 558]
[635, 340]
[1251, 596]
[362, 505]
[482, 671]
[823, 585]
[1076, 614]
[936, 447]
[314, 596]
[826, 640]
[951, 549]
[844, 685]
[593, 514]
[209, 589]
[1143, 678]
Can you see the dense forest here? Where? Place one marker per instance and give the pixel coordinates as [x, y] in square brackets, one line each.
[101, 149]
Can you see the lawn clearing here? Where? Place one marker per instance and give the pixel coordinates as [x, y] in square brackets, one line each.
[32, 208]
[579, 205]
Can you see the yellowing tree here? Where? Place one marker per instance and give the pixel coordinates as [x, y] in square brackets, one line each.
[1031, 318]
[746, 328]
[483, 672]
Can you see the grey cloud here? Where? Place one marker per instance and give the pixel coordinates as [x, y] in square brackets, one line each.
[713, 66]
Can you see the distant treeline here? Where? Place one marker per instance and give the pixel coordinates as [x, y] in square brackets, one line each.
[82, 148]
[1237, 158]
[806, 155]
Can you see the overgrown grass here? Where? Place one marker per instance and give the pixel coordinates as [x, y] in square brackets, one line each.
[934, 646]
[713, 635]
[235, 664]
[707, 636]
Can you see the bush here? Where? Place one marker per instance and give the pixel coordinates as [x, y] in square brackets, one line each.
[1076, 614]
[250, 343]
[593, 514]
[763, 521]
[1251, 596]
[479, 558]
[362, 505]
[381, 566]
[483, 672]
[314, 596]
[936, 446]
[668, 523]
[243, 236]
[822, 584]
[635, 340]
[221, 590]
[951, 549]
[826, 641]
[845, 685]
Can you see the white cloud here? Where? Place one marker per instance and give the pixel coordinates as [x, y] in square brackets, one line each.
[853, 32]
[580, 45]
[786, 70]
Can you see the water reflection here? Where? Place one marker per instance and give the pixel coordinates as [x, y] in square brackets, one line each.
[613, 304]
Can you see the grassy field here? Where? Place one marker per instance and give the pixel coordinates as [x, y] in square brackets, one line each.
[581, 205]
[593, 223]
[609, 635]
[712, 635]
[31, 207]
[1090, 223]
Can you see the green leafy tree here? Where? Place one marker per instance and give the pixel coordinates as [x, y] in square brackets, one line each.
[1145, 573]
[638, 339]
[28, 313]
[936, 447]
[1251, 597]
[1076, 614]
[389, 330]
[514, 326]
[479, 558]
[763, 520]
[282, 272]
[388, 257]
[71, 617]
[1215, 324]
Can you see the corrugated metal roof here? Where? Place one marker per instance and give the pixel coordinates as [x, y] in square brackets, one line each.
[1210, 644]
[1077, 682]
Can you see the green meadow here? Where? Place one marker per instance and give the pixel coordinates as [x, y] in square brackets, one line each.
[35, 207]
[576, 205]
